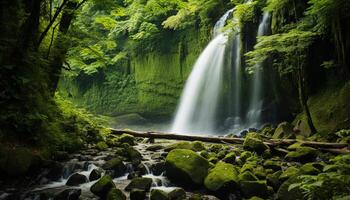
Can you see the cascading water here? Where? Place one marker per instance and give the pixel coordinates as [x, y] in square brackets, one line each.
[212, 100]
[254, 113]
[199, 100]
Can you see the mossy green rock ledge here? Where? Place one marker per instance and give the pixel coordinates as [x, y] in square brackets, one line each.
[186, 167]
[223, 178]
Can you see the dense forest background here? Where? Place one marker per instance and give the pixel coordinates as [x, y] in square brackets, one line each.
[119, 57]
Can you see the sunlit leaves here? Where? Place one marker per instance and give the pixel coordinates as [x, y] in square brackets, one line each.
[106, 22]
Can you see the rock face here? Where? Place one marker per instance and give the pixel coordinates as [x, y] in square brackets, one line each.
[76, 179]
[222, 179]
[186, 167]
[103, 186]
[253, 143]
[302, 154]
[284, 130]
[139, 183]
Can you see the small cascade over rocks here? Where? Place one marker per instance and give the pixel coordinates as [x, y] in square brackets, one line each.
[218, 97]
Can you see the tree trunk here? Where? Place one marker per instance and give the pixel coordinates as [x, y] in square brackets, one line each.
[226, 140]
[303, 97]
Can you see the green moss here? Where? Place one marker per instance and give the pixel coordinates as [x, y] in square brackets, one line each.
[126, 138]
[186, 166]
[230, 158]
[247, 176]
[115, 164]
[254, 144]
[116, 194]
[194, 146]
[303, 154]
[291, 171]
[140, 184]
[254, 188]
[103, 186]
[222, 178]
[101, 146]
[157, 194]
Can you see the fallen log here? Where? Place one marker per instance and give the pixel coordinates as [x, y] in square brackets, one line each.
[345, 147]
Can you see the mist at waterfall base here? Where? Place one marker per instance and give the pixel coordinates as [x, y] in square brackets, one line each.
[219, 97]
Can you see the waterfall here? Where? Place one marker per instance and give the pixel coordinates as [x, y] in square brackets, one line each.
[199, 100]
[254, 112]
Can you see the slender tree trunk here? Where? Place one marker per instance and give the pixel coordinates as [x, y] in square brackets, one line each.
[303, 97]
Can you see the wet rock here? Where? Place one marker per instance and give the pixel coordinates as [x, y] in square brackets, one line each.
[76, 179]
[254, 188]
[134, 156]
[157, 194]
[252, 143]
[302, 154]
[102, 187]
[194, 146]
[272, 164]
[186, 167]
[141, 169]
[94, 175]
[222, 179]
[177, 194]
[133, 175]
[140, 184]
[154, 147]
[115, 194]
[55, 170]
[68, 194]
[116, 165]
[136, 194]
[284, 131]
[158, 168]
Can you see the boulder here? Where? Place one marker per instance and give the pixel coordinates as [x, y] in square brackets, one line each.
[194, 146]
[293, 194]
[272, 164]
[247, 176]
[245, 155]
[289, 172]
[68, 194]
[103, 186]
[133, 155]
[126, 138]
[94, 175]
[177, 194]
[154, 147]
[139, 183]
[115, 194]
[302, 154]
[15, 161]
[116, 165]
[273, 180]
[157, 194]
[76, 179]
[302, 128]
[255, 144]
[222, 179]
[186, 167]
[230, 158]
[136, 194]
[102, 146]
[284, 131]
[254, 188]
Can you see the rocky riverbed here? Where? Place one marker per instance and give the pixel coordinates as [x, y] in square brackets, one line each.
[124, 167]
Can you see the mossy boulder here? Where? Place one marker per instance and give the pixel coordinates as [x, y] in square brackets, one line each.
[177, 194]
[254, 188]
[302, 154]
[157, 194]
[222, 179]
[186, 167]
[139, 183]
[284, 131]
[273, 180]
[272, 164]
[155, 147]
[102, 146]
[216, 148]
[254, 144]
[289, 172]
[247, 176]
[16, 161]
[116, 165]
[133, 155]
[102, 186]
[309, 169]
[245, 155]
[115, 194]
[230, 158]
[126, 138]
[194, 146]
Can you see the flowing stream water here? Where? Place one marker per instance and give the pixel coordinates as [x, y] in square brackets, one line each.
[200, 106]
